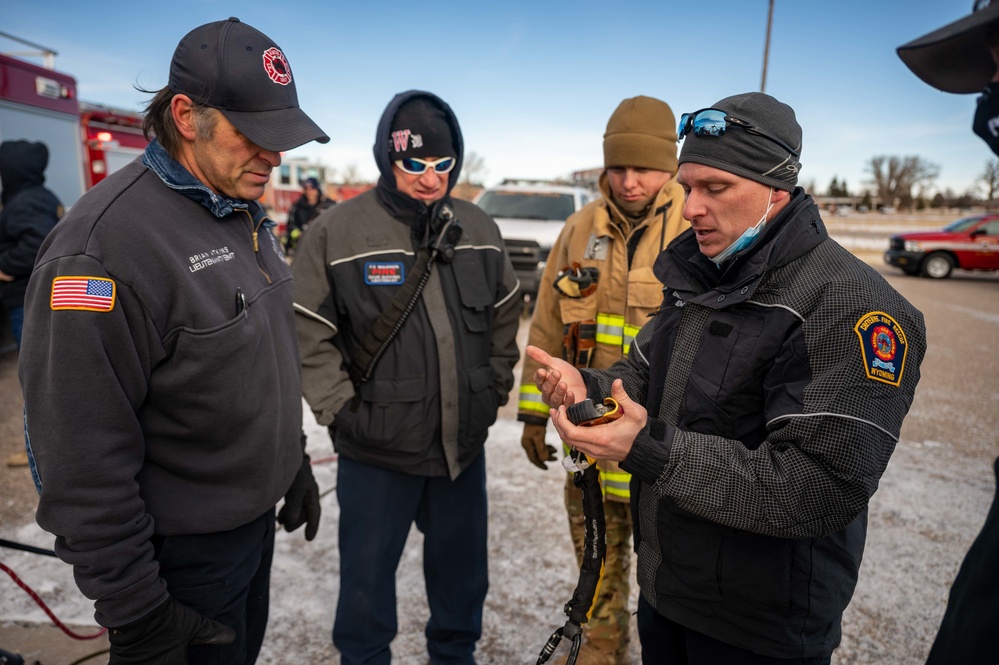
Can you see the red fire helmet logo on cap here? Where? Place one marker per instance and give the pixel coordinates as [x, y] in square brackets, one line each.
[276, 66]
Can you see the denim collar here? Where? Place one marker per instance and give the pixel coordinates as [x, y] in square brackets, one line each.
[178, 178]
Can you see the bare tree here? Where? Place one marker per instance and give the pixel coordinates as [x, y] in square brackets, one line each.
[991, 177]
[895, 178]
[473, 170]
[351, 176]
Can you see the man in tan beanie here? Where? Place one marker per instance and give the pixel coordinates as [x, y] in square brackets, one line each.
[596, 292]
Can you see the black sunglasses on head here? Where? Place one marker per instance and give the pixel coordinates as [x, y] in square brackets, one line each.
[715, 122]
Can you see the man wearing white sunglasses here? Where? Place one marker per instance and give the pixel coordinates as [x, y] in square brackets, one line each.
[407, 311]
[761, 405]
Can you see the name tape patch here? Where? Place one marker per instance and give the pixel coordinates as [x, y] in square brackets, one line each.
[91, 294]
[883, 345]
[377, 273]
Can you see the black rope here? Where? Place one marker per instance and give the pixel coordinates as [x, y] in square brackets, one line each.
[594, 551]
[10, 544]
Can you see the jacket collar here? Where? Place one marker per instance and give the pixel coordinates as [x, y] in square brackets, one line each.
[691, 276]
[179, 179]
[670, 195]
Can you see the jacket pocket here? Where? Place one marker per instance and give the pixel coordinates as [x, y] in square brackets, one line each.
[754, 574]
[209, 366]
[473, 288]
[390, 413]
[578, 309]
[483, 400]
[645, 292]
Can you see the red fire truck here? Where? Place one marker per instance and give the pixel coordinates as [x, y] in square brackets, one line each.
[112, 138]
[86, 142]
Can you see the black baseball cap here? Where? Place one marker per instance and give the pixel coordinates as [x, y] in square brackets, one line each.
[240, 71]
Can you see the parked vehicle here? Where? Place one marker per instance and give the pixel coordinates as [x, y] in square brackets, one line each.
[530, 215]
[970, 243]
[86, 142]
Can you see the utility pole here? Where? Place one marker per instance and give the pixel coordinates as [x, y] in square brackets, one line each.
[766, 47]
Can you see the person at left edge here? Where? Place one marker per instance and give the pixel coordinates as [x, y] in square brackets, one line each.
[28, 212]
[410, 438]
[161, 379]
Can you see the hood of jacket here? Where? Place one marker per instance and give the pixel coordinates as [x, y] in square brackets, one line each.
[400, 205]
[22, 165]
[690, 275]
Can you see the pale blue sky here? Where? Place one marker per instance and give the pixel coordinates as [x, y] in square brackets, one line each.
[533, 83]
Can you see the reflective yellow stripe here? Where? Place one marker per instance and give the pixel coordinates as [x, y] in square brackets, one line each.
[610, 329]
[530, 400]
[617, 483]
[630, 332]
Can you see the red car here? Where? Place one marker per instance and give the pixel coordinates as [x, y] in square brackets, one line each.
[970, 243]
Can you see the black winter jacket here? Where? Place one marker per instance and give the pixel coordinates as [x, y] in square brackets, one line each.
[302, 212]
[968, 630]
[29, 212]
[169, 403]
[776, 390]
[427, 408]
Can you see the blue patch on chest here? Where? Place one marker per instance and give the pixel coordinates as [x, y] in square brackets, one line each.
[377, 273]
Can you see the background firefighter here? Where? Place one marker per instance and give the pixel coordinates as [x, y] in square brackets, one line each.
[306, 208]
[596, 292]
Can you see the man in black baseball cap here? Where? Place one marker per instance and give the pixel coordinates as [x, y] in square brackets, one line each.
[162, 375]
[238, 70]
[758, 415]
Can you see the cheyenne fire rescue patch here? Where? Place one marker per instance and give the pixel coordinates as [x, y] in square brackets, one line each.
[883, 345]
[382, 274]
[92, 294]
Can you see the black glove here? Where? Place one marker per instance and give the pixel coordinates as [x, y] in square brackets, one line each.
[301, 502]
[162, 636]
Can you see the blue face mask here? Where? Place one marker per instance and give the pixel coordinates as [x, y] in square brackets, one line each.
[747, 238]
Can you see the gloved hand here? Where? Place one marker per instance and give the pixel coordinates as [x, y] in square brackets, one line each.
[301, 502]
[162, 636]
[534, 445]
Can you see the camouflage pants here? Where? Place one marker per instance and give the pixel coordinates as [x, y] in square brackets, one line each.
[607, 628]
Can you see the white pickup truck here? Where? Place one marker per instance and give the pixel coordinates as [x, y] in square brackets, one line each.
[530, 216]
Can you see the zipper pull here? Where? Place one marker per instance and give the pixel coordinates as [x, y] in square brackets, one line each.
[256, 245]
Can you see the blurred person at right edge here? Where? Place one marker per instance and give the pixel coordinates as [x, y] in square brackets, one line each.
[963, 57]
[759, 405]
[598, 289]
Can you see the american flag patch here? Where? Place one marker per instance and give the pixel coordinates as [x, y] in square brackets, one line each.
[93, 294]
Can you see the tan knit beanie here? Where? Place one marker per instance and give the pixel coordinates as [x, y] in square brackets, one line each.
[641, 133]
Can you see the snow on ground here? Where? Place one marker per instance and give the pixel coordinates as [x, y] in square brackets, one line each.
[931, 503]
[923, 518]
